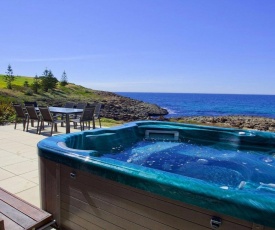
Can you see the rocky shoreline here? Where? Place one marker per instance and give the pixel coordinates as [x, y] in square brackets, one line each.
[239, 122]
[126, 109]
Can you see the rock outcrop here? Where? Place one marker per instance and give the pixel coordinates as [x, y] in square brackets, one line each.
[240, 122]
[126, 109]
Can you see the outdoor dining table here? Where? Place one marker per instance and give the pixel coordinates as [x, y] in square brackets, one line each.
[66, 112]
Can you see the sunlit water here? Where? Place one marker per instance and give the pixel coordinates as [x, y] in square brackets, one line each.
[223, 165]
[191, 104]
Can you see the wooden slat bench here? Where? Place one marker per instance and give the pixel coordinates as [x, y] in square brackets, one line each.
[17, 214]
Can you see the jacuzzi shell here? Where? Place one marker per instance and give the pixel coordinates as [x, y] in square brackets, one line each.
[82, 191]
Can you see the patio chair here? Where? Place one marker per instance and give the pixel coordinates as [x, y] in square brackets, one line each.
[86, 116]
[20, 114]
[81, 105]
[29, 103]
[69, 105]
[98, 107]
[97, 114]
[33, 116]
[46, 116]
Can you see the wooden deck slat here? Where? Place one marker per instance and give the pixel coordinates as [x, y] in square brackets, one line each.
[9, 224]
[19, 214]
[33, 212]
[15, 215]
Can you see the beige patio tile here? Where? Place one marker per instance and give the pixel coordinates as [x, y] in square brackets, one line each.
[5, 174]
[13, 147]
[31, 176]
[11, 159]
[31, 195]
[22, 167]
[29, 155]
[16, 184]
[27, 151]
[4, 153]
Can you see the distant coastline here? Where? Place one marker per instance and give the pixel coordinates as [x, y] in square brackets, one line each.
[256, 112]
[188, 104]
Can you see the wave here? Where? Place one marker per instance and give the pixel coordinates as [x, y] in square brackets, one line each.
[170, 111]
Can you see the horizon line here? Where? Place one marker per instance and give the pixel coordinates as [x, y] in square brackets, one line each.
[248, 94]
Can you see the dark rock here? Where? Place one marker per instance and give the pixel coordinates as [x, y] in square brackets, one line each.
[123, 108]
[241, 122]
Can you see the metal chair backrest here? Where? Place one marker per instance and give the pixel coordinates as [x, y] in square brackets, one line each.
[46, 114]
[88, 114]
[32, 113]
[69, 105]
[19, 111]
[81, 105]
[97, 110]
[28, 103]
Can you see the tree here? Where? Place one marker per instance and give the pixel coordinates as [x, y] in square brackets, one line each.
[35, 85]
[64, 79]
[48, 81]
[26, 84]
[9, 77]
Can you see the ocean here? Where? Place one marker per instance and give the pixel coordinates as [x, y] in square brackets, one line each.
[192, 104]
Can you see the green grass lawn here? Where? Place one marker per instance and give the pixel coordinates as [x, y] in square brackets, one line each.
[19, 81]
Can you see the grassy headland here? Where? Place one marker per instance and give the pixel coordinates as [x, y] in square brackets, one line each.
[21, 92]
[116, 109]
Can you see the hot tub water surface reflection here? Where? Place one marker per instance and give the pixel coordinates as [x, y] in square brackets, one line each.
[221, 164]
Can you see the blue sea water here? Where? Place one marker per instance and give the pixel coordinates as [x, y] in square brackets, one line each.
[189, 104]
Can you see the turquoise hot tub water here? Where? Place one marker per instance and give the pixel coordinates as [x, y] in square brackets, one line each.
[225, 170]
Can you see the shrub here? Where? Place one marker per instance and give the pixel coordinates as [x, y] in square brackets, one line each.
[7, 112]
[29, 92]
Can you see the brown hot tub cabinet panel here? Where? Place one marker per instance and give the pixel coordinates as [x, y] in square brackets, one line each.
[80, 200]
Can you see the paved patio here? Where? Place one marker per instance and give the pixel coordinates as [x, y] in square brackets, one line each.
[19, 160]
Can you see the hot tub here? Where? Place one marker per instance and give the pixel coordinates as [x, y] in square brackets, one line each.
[159, 175]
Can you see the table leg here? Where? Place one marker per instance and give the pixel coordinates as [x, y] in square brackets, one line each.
[94, 123]
[67, 123]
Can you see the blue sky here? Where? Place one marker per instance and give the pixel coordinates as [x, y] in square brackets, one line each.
[188, 46]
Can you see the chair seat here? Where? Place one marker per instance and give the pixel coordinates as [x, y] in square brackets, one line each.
[48, 117]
